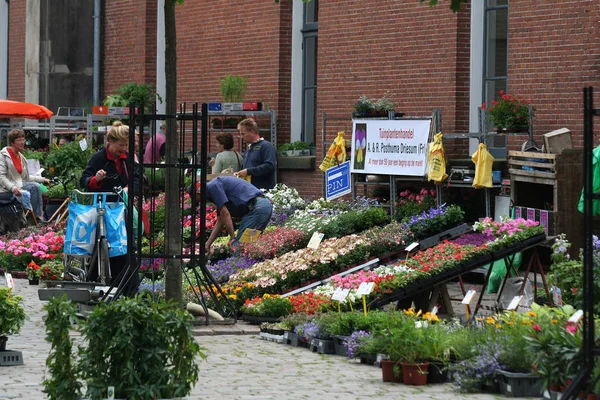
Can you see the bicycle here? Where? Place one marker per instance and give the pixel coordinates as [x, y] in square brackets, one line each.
[96, 266]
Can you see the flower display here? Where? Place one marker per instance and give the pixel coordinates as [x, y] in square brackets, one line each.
[152, 268]
[434, 220]
[411, 203]
[355, 342]
[275, 242]
[268, 306]
[52, 269]
[508, 111]
[18, 251]
[285, 201]
[33, 271]
[310, 303]
[221, 270]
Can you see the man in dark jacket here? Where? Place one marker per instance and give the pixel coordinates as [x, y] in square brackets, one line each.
[260, 160]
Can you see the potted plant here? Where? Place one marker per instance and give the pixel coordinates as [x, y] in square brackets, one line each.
[233, 88]
[144, 349]
[508, 113]
[369, 108]
[33, 271]
[13, 315]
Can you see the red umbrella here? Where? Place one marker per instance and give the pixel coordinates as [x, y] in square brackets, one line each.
[17, 109]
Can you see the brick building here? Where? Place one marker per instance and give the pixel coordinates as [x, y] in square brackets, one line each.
[304, 60]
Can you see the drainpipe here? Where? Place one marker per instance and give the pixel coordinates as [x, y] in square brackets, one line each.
[96, 81]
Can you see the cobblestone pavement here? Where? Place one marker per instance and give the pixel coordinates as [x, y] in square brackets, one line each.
[237, 367]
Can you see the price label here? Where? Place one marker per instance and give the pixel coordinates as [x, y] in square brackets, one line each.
[315, 240]
[365, 288]
[469, 296]
[83, 144]
[434, 310]
[111, 393]
[576, 317]
[340, 294]
[9, 281]
[514, 304]
[250, 235]
[411, 247]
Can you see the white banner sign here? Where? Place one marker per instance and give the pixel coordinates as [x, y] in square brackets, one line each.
[390, 147]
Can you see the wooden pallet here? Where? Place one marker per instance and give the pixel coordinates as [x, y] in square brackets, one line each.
[544, 166]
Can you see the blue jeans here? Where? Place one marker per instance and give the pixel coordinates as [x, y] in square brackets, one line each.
[36, 198]
[258, 217]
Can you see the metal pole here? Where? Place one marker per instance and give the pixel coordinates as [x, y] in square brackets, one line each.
[96, 77]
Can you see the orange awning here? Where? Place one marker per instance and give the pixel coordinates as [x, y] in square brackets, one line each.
[17, 109]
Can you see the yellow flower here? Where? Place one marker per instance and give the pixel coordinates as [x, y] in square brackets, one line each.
[237, 289]
[419, 313]
[232, 296]
[478, 319]
[266, 296]
[490, 321]
[532, 314]
[498, 326]
[554, 321]
[526, 321]
[410, 311]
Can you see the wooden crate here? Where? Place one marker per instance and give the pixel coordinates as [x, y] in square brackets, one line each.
[541, 167]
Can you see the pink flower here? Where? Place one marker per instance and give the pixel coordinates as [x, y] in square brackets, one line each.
[571, 329]
[536, 327]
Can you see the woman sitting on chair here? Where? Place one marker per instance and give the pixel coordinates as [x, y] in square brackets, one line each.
[14, 175]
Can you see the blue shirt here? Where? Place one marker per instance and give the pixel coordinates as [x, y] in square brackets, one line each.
[231, 192]
[261, 161]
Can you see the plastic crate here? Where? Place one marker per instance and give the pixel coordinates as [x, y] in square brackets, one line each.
[515, 384]
[10, 357]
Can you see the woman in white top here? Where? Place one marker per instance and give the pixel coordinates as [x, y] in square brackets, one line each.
[14, 175]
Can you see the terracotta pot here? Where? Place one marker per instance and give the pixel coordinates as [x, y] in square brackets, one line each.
[415, 374]
[554, 387]
[387, 371]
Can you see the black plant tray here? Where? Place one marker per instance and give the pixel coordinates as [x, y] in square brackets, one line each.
[258, 319]
[518, 247]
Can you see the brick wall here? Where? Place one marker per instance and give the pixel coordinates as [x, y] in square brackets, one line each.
[418, 55]
[553, 53]
[16, 51]
[129, 36]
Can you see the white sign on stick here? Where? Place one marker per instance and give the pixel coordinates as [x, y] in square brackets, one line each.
[365, 288]
[390, 147]
[340, 294]
[514, 303]
[468, 297]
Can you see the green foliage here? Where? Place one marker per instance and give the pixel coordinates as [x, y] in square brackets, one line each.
[135, 93]
[233, 88]
[11, 311]
[58, 191]
[34, 155]
[63, 383]
[355, 221]
[68, 159]
[144, 349]
[268, 306]
[299, 145]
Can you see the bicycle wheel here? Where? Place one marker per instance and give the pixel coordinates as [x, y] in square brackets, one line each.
[104, 262]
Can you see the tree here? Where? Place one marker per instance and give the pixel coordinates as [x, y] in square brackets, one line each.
[172, 203]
